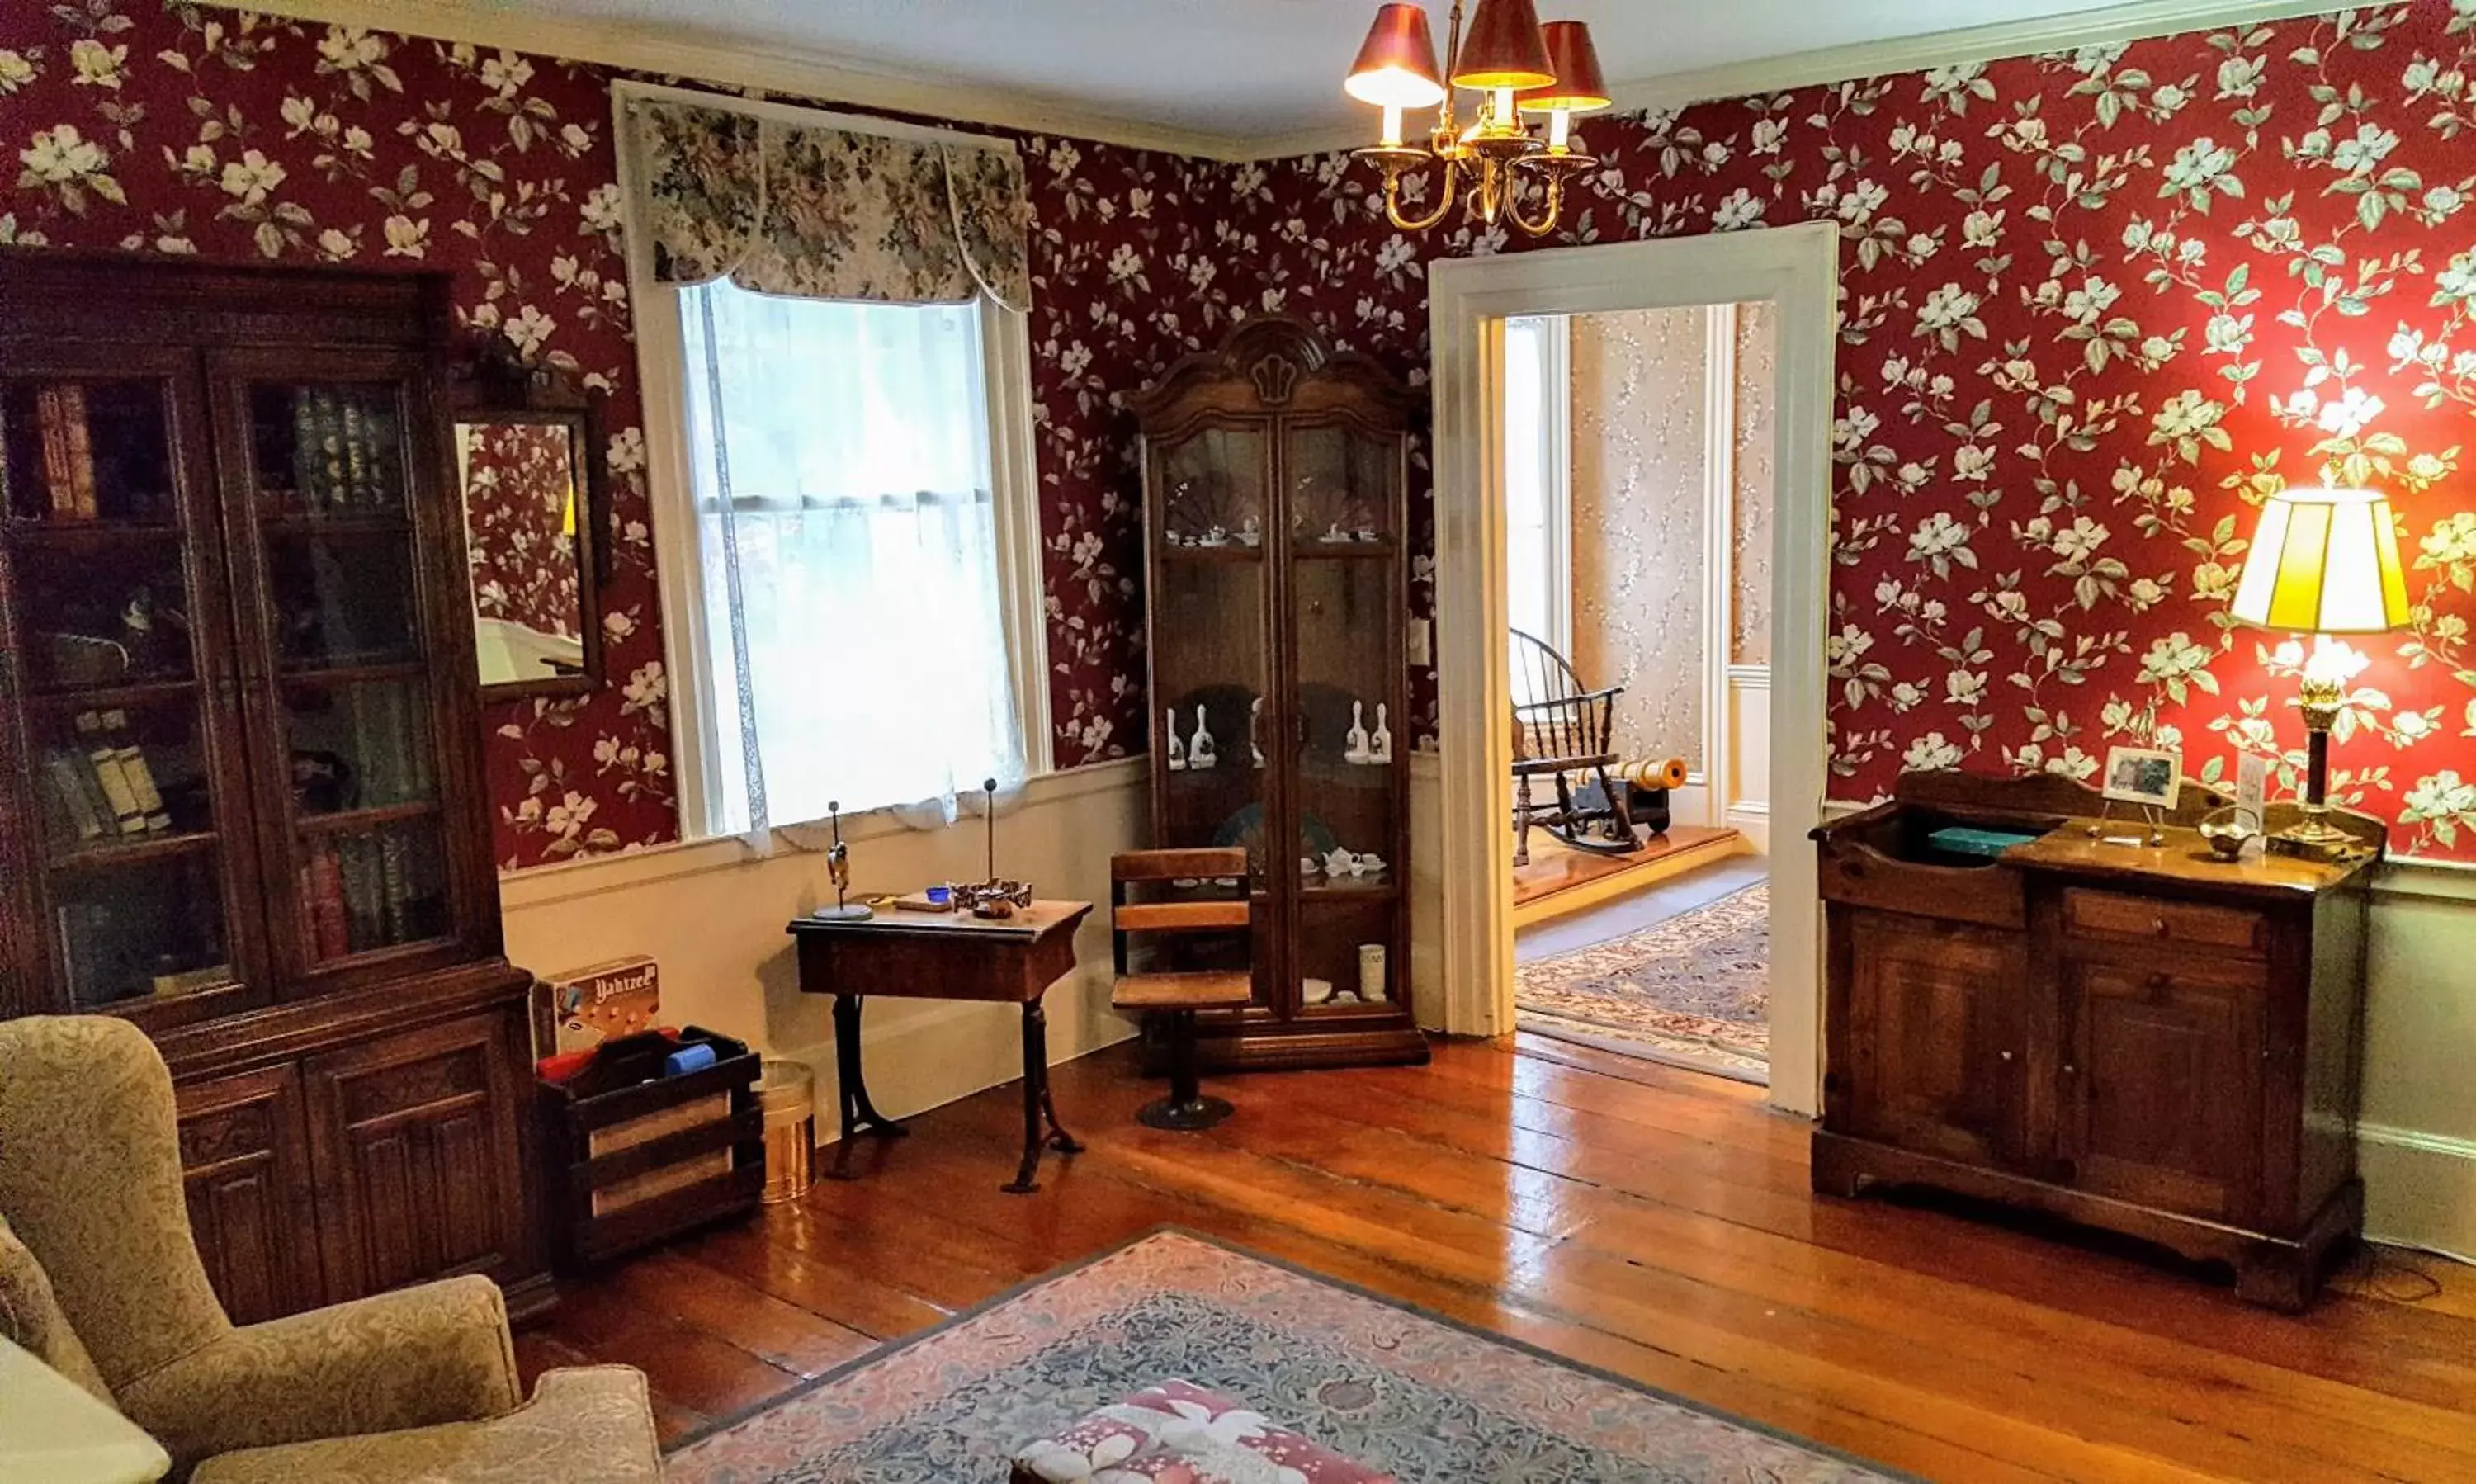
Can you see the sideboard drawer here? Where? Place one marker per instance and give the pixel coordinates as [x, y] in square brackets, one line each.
[2116, 917]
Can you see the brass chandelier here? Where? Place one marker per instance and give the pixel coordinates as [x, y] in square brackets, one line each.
[1521, 67]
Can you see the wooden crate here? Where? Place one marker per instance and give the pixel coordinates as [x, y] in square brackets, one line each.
[639, 1164]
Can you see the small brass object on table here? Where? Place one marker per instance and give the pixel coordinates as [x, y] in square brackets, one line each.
[996, 898]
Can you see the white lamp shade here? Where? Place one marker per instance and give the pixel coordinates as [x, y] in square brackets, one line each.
[2323, 562]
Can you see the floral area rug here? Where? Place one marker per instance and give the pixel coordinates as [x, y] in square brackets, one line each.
[1421, 1398]
[1691, 991]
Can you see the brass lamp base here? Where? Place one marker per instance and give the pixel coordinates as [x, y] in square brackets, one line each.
[2314, 838]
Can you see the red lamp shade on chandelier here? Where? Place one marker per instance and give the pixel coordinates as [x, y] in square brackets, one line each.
[1397, 67]
[1579, 89]
[1504, 48]
[1497, 166]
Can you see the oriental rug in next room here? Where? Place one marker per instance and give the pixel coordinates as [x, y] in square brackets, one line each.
[1419, 1398]
[1691, 991]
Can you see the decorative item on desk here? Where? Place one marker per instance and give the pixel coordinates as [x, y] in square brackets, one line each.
[1254, 715]
[2229, 830]
[1379, 742]
[1354, 745]
[2323, 562]
[2146, 778]
[1202, 752]
[838, 866]
[994, 897]
[1177, 748]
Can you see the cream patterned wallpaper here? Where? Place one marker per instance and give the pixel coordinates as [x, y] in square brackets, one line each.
[1750, 624]
[1638, 482]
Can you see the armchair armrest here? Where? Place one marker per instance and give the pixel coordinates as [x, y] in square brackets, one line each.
[418, 1357]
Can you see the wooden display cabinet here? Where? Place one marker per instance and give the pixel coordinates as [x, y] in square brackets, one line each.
[1276, 582]
[2142, 1038]
[243, 802]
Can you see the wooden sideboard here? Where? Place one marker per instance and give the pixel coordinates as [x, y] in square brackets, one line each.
[2139, 1038]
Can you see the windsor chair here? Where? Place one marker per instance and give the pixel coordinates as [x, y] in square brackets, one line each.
[1560, 728]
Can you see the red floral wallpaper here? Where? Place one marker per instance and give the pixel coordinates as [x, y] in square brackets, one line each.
[2095, 304]
[520, 490]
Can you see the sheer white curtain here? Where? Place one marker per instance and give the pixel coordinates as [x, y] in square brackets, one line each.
[1538, 390]
[854, 632]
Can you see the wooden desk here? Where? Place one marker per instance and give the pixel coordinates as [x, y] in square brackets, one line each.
[944, 955]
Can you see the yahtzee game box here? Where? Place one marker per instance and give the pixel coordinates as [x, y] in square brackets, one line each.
[581, 1008]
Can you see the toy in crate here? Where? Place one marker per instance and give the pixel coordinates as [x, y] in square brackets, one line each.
[581, 1009]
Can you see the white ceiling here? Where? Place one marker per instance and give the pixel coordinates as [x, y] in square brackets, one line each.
[1250, 69]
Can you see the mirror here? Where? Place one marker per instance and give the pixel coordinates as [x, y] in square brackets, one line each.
[533, 512]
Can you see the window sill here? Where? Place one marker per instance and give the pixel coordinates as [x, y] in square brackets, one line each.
[566, 881]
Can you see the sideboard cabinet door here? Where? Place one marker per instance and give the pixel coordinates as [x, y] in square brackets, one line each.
[418, 1154]
[1936, 1025]
[245, 1167]
[2161, 1095]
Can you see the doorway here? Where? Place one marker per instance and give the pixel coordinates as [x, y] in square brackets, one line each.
[1794, 269]
[1638, 458]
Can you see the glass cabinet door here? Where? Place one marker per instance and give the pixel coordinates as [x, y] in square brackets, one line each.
[325, 469]
[115, 661]
[1206, 526]
[1344, 584]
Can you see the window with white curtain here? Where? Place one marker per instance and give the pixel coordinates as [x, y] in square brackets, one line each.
[854, 640]
[1538, 519]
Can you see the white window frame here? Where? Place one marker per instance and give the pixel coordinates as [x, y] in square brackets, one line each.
[1556, 452]
[661, 370]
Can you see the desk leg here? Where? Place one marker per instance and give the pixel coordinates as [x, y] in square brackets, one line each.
[1040, 1125]
[858, 1114]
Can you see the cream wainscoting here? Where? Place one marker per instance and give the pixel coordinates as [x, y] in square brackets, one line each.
[1745, 731]
[711, 913]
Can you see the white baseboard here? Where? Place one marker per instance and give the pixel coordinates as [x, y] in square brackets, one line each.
[2419, 1188]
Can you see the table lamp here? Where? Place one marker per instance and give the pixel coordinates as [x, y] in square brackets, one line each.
[2323, 562]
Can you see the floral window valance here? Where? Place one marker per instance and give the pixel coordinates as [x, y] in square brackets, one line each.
[827, 213]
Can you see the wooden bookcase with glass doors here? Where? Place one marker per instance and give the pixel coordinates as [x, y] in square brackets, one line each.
[241, 799]
[1277, 599]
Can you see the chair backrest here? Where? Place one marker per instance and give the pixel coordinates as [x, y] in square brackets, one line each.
[1190, 913]
[1555, 721]
[1537, 672]
[91, 1181]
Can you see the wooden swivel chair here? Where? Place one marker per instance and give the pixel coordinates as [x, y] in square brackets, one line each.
[1170, 998]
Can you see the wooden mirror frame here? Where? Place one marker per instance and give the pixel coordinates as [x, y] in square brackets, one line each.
[495, 386]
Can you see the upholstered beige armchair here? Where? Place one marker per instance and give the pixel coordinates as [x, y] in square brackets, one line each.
[420, 1383]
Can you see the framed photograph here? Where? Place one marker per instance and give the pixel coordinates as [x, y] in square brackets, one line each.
[2140, 775]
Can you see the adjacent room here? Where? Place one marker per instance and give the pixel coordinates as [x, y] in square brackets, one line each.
[1638, 456]
[1227, 741]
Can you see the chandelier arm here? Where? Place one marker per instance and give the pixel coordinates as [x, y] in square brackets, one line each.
[1393, 199]
[1545, 224]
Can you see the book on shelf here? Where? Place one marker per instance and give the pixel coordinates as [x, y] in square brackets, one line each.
[168, 983]
[323, 916]
[77, 798]
[364, 892]
[68, 453]
[395, 883]
[98, 954]
[104, 758]
[357, 453]
[133, 767]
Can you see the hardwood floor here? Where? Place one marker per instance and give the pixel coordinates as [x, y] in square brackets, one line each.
[1651, 1221]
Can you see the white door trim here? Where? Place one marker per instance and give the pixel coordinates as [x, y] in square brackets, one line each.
[1719, 552]
[1468, 299]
